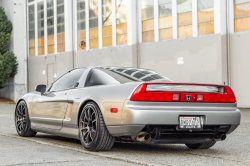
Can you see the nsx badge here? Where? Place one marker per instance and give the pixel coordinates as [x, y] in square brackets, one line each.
[188, 97]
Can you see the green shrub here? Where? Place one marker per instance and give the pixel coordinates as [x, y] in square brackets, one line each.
[8, 61]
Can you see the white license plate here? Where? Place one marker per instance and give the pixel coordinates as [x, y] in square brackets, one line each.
[190, 122]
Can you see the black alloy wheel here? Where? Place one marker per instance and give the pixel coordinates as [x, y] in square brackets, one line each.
[22, 121]
[88, 125]
[94, 134]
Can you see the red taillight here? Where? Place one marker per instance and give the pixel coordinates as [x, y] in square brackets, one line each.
[141, 94]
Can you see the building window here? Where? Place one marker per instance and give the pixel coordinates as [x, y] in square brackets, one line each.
[165, 19]
[40, 27]
[121, 22]
[32, 30]
[184, 22]
[205, 17]
[107, 23]
[50, 26]
[81, 26]
[241, 15]
[93, 24]
[147, 16]
[60, 26]
[30, 1]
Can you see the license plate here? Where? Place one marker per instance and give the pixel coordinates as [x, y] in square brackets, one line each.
[190, 122]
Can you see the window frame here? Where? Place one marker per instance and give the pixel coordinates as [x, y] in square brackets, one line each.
[44, 26]
[239, 18]
[64, 32]
[148, 19]
[28, 29]
[208, 21]
[183, 25]
[159, 17]
[109, 16]
[47, 26]
[79, 21]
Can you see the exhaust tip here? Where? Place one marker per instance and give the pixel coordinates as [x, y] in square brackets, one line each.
[223, 137]
[147, 137]
[142, 137]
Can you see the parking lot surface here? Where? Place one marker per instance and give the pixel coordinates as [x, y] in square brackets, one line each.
[47, 149]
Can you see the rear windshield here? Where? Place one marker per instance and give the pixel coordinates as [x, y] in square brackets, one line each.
[124, 75]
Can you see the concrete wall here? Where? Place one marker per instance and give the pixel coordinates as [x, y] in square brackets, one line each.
[203, 59]
[38, 69]
[240, 68]
[110, 56]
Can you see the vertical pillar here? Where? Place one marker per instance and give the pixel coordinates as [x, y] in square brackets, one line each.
[68, 23]
[217, 16]
[75, 24]
[87, 23]
[100, 22]
[114, 22]
[156, 20]
[36, 34]
[194, 18]
[174, 19]
[139, 22]
[45, 29]
[55, 26]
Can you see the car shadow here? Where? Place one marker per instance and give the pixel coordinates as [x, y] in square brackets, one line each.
[131, 147]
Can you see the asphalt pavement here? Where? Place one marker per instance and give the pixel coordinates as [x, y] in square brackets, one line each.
[50, 150]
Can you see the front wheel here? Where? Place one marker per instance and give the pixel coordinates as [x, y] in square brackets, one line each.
[22, 121]
[204, 145]
[94, 135]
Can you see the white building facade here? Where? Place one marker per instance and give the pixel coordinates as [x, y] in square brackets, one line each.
[199, 41]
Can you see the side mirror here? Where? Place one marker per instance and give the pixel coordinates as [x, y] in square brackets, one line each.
[40, 88]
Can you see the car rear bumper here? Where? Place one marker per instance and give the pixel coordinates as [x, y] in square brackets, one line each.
[137, 115]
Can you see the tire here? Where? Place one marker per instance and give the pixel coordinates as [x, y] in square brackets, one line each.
[22, 121]
[205, 145]
[94, 135]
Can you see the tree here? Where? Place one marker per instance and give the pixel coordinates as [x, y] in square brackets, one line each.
[8, 61]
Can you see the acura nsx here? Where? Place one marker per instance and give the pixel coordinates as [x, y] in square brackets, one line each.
[101, 105]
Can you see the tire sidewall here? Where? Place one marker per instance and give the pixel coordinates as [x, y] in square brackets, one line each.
[97, 138]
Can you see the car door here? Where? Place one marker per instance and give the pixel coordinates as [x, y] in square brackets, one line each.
[50, 107]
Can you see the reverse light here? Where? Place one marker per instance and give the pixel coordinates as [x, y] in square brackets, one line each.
[183, 93]
[199, 97]
[176, 97]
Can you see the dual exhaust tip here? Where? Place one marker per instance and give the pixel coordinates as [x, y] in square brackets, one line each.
[145, 137]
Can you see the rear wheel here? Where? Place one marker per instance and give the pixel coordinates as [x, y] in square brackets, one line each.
[22, 121]
[94, 135]
[205, 145]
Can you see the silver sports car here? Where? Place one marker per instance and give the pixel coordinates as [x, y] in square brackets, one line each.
[101, 105]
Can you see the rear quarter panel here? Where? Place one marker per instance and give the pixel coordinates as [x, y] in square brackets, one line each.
[106, 97]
